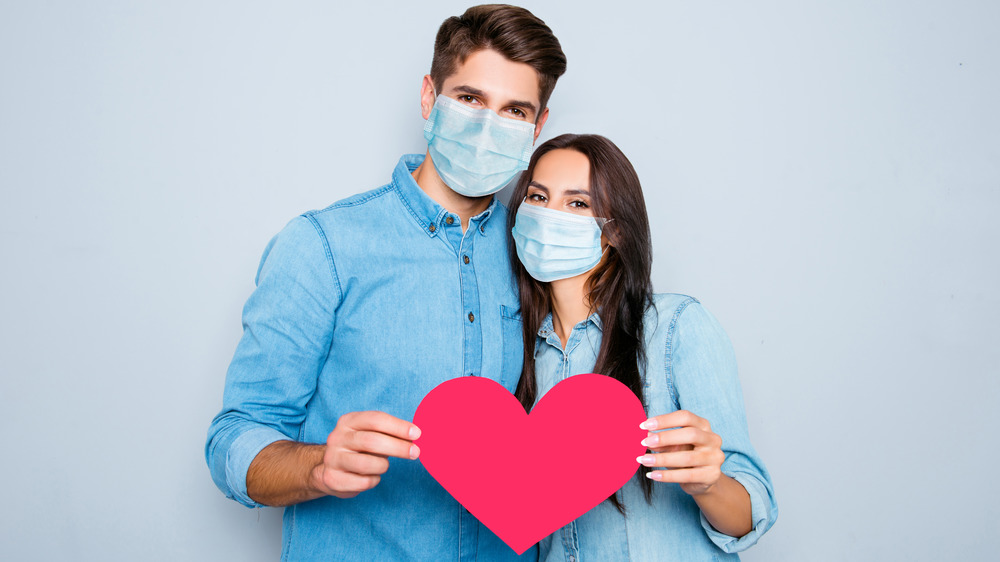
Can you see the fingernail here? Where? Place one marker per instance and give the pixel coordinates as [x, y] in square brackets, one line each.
[654, 475]
[645, 459]
[650, 441]
[414, 451]
[648, 424]
[414, 432]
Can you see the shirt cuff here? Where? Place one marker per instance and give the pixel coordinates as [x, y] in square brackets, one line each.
[242, 452]
[760, 513]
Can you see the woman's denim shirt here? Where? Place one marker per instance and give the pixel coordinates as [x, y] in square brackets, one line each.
[690, 365]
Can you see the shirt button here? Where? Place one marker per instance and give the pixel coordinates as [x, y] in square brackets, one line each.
[472, 317]
[465, 259]
[432, 228]
[449, 220]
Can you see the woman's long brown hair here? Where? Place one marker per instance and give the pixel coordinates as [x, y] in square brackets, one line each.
[619, 289]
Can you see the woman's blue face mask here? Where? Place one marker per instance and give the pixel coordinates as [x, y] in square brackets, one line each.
[475, 151]
[554, 244]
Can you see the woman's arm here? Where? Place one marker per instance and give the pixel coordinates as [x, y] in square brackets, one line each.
[693, 454]
[708, 452]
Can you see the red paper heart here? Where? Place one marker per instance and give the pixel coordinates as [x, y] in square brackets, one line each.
[525, 476]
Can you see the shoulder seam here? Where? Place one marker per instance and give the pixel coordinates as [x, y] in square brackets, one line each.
[353, 201]
[669, 358]
[329, 253]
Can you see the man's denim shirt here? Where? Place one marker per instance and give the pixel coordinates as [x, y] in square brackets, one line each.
[368, 305]
[689, 365]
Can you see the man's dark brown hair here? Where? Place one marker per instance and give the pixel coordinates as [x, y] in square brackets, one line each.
[511, 31]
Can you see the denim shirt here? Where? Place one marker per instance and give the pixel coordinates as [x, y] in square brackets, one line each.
[689, 365]
[368, 305]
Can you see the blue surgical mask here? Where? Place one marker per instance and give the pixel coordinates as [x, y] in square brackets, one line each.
[556, 245]
[475, 151]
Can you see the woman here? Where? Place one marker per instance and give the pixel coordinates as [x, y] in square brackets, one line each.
[582, 257]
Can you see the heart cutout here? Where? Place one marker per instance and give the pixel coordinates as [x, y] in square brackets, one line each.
[525, 476]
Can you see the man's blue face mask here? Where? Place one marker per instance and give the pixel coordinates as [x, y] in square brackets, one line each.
[555, 244]
[475, 151]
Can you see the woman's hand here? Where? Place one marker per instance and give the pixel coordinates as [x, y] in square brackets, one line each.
[691, 450]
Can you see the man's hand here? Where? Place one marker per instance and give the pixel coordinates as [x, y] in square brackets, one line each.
[357, 452]
[352, 461]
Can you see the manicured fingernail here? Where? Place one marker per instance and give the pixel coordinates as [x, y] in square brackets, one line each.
[645, 459]
[414, 432]
[651, 441]
[648, 424]
[654, 475]
[414, 451]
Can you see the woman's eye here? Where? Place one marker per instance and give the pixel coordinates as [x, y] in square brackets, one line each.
[537, 197]
[579, 205]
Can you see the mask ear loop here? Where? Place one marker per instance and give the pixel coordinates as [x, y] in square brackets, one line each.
[601, 223]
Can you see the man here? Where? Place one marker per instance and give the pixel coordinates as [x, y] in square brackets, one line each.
[364, 307]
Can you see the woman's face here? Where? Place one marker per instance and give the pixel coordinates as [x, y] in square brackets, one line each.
[561, 181]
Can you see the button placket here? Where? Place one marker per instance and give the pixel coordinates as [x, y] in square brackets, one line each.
[472, 327]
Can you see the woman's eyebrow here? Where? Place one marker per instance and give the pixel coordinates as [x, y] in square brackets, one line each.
[535, 184]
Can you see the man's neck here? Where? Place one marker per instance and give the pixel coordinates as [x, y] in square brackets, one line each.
[465, 207]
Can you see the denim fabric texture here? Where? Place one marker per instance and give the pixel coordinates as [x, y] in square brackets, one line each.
[690, 366]
[368, 305]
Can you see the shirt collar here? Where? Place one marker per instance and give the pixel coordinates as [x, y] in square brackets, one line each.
[428, 213]
[547, 328]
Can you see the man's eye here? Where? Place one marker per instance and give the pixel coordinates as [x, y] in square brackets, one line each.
[517, 112]
[467, 98]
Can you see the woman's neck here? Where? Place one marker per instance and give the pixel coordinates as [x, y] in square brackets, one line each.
[569, 305]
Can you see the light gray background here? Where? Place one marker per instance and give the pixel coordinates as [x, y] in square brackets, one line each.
[824, 176]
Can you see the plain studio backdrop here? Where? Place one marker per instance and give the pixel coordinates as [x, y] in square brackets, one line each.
[824, 176]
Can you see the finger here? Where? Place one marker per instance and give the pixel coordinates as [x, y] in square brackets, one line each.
[672, 448]
[682, 436]
[362, 464]
[374, 443]
[680, 418]
[684, 459]
[700, 475]
[380, 422]
[346, 484]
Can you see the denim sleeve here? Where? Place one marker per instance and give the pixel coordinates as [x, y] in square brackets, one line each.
[287, 331]
[702, 366]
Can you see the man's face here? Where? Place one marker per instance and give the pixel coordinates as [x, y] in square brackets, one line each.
[489, 80]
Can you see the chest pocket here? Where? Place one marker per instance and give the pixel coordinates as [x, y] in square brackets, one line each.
[513, 347]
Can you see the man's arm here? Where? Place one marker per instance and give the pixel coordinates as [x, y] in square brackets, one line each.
[288, 325]
[352, 460]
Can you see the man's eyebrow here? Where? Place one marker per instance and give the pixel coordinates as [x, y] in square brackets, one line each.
[470, 90]
[527, 106]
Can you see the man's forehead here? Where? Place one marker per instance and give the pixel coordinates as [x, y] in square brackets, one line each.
[489, 74]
